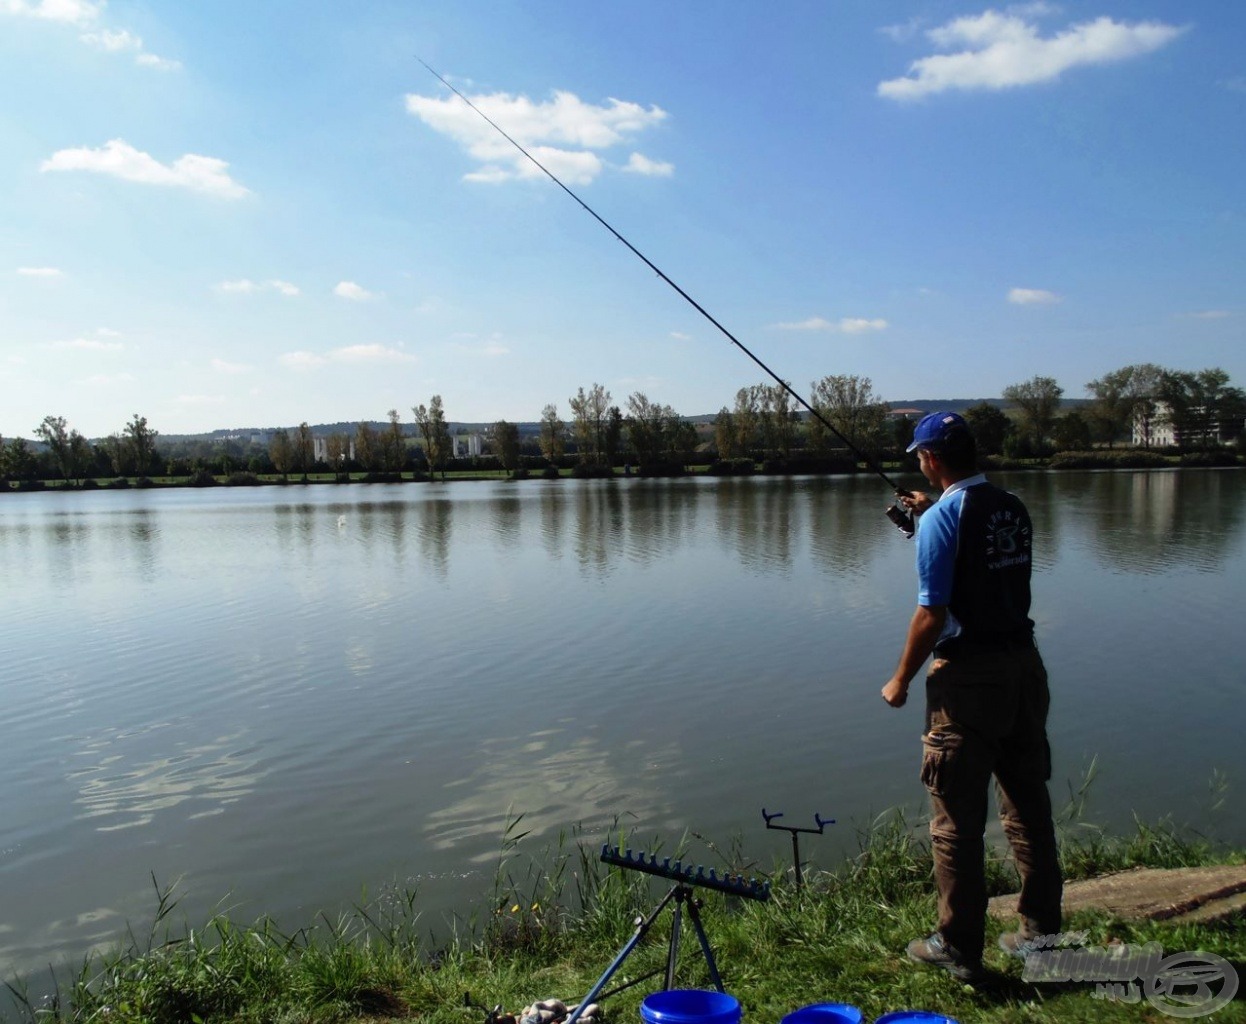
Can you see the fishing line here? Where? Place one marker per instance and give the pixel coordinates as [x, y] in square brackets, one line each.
[871, 463]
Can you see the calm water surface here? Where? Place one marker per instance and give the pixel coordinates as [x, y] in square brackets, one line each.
[284, 695]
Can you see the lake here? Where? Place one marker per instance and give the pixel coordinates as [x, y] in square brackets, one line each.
[283, 696]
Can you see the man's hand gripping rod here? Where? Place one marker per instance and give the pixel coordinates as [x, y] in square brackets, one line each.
[895, 513]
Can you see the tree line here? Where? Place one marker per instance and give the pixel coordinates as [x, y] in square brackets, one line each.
[1203, 408]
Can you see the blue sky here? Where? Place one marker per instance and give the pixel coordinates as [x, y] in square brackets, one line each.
[232, 215]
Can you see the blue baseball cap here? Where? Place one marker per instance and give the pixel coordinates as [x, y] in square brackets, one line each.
[934, 430]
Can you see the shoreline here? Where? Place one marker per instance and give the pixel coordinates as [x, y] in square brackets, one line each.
[1074, 461]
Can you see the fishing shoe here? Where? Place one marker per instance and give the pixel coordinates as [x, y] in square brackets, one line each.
[1020, 944]
[937, 953]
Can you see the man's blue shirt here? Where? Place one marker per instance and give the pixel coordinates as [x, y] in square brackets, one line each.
[973, 557]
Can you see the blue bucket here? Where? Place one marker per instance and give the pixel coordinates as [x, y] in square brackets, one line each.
[824, 1013]
[914, 1017]
[690, 1006]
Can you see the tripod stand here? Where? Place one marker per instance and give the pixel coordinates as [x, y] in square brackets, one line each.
[680, 895]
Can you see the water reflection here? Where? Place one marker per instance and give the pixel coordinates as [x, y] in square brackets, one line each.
[125, 791]
[842, 540]
[434, 528]
[1153, 522]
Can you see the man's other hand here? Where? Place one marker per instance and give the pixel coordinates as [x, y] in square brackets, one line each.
[895, 692]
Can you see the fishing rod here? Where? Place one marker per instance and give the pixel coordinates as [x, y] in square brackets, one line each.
[894, 513]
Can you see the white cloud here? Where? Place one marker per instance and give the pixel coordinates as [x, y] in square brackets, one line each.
[846, 325]
[680, 336]
[638, 163]
[150, 60]
[87, 345]
[370, 354]
[352, 291]
[107, 332]
[113, 42]
[221, 366]
[1032, 297]
[1235, 84]
[198, 400]
[352, 354]
[1000, 50]
[561, 133]
[72, 12]
[40, 272]
[121, 160]
[245, 286]
[902, 32]
[241, 287]
[301, 360]
[860, 325]
[814, 323]
[1211, 314]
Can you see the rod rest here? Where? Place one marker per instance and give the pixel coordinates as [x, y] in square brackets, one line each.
[736, 885]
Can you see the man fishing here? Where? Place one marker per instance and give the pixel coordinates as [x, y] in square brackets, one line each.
[986, 698]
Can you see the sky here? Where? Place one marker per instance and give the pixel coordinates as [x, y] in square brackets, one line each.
[230, 215]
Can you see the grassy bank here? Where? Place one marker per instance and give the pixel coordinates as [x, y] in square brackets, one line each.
[555, 920]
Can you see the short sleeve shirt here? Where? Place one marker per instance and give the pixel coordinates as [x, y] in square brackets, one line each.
[974, 557]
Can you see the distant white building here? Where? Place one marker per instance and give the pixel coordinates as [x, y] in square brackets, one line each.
[1153, 428]
[467, 446]
[320, 449]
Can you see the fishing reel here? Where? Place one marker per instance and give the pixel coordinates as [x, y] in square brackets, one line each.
[902, 517]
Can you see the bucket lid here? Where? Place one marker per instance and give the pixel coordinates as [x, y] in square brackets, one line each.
[690, 1006]
[914, 1017]
[824, 1013]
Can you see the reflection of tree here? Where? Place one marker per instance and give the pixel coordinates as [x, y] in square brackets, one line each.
[551, 521]
[757, 519]
[599, 525]
[1153, 521]
[504, 519]
[846, 523]
[434, 534]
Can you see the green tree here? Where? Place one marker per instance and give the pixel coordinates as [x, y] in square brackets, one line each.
[506, 440]
[650, 430]
[394, 445]
[848, 402]
[337, 448]
[1124, 398]
[304, 449]
[613, 440]
[590, 411]
[118, 452]
[142, 444]
[553, 437]
[1071, 432]
[81, 457]
[1038, 399]
[17, 462]
[431, 420]
[747, 417]
[54, 432]
[368, 451]
[725, 435]
[990, 427]
[1202, 407]
[281, 451]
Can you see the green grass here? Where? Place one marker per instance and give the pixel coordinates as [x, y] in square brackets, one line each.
[554, 920]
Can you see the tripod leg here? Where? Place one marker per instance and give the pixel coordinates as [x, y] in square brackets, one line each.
[630, 945]
[705, 945]
[676, 927]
